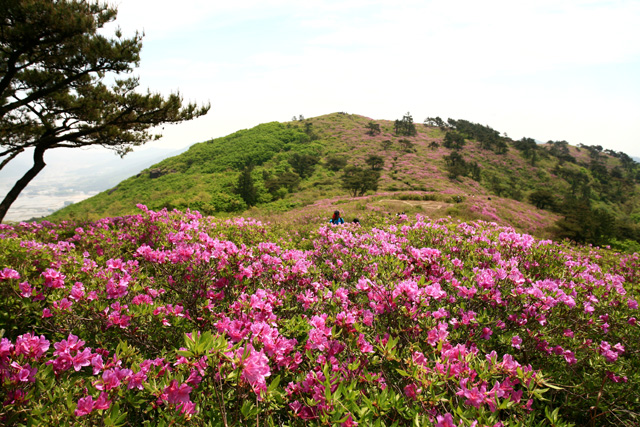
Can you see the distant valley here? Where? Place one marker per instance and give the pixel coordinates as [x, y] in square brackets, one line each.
[71, 176]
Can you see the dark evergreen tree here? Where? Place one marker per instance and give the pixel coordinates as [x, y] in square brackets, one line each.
[543, 199]
[376, 162]
[335, 163]
[406, 145]
[288, 180]
[405, 126]
[560, 149]
[578, 180]
[584, 224]
[245, 187]
[455, 165]
[303, 164]
[308, 129]
[358, 181]
[373, 129]
[489, 138]
[628, 164]
[454, 140]
[529, 149]
[599, 171]
[435, 121]
[386, 144]
[474, 170]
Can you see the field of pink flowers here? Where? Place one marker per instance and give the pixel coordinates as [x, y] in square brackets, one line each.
[169, 318]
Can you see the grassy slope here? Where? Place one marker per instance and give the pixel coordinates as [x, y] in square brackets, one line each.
[203, 177]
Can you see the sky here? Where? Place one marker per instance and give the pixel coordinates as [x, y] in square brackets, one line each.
[549, 70]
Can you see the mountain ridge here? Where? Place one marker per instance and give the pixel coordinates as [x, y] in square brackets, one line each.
[482, 176]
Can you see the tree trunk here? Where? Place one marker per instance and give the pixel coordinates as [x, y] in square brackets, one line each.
[12, 195]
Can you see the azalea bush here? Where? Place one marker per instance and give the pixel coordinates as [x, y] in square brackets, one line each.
[169, 318]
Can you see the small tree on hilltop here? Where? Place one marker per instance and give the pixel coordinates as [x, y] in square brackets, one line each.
[529, 149]
[386, 144]
[405, 126]
[435, 121]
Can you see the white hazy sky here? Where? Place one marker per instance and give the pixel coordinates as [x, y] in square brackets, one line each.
[550, 70]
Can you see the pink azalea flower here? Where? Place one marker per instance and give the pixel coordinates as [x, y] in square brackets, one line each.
[63, 304]
[350, 422]
[53, 278]
[85, 406]
[411, 391]
[9, 273]
[82, 359]
[25, 289]
[97, 364]
[24, 373]
[363, 345]
[445, 421]
[516, 341]
[109, 380]
[177, 394]
[486, 333]
[570, 357]
[136, 380]
[77, 291]
[103, 402]
[255, 369]
[29, 344]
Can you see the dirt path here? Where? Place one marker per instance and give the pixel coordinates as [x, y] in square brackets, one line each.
[431, 205]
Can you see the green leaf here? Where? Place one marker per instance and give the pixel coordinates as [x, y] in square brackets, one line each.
[274, 384]
[247, 408]
[403, 372]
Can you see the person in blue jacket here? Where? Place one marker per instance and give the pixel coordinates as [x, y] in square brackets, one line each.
[336, 218]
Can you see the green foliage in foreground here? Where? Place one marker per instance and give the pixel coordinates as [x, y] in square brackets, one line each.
[171, 319]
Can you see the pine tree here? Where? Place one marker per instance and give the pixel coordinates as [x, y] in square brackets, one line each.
[60, 85]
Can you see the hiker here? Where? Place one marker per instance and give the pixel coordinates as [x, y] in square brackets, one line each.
[356, 221]
[336, 218]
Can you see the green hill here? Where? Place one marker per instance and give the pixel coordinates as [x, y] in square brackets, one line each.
[455, 168]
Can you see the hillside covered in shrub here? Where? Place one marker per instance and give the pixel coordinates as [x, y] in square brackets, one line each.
[584, 193]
